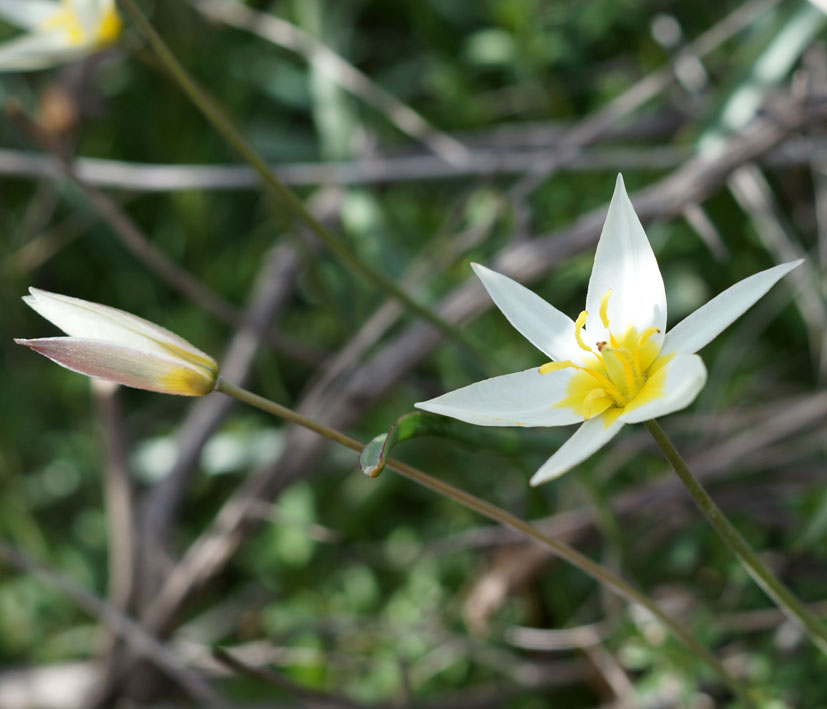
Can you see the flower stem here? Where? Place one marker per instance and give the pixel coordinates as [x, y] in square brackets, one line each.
[224, 125]
[497, 514]
[785, 599]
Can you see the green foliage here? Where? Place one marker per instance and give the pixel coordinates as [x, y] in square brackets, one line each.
[370, 589]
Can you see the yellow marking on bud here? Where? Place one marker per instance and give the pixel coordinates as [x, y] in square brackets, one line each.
[186, 382]
[207, 364]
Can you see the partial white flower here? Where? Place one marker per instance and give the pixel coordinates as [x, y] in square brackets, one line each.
[615, 364]
[111, 344]
[57, 31]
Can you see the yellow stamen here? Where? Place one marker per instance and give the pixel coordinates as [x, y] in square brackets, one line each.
[615, 368]
[604, 382]
[618, 363]
[647, 333]
[578, 326]
[554, 366]
[606, 385]
[604, 309]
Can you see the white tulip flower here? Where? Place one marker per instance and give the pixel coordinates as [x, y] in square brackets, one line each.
[57, 31]
[615, 364]
[111, 344]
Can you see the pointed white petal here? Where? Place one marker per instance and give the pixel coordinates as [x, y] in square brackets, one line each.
[587, 439]
[525, 398]
[671, 388]
[126, 365]
[82, 318]
[545, 327]
[27, 14]
[701, 327]
[626, 265]
[35, 51]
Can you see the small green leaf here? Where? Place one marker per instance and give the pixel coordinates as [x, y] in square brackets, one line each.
[419, 423]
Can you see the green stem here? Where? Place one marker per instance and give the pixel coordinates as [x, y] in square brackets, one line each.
[785, 599]
[224, 125]
[492, 512]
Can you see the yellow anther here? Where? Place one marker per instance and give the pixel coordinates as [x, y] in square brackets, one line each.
[554, 366]
[578, 326]
[604, 309]
[647, 333]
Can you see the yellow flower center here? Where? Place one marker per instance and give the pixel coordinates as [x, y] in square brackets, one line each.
[623, 373]
[67, 21]
[109, 28]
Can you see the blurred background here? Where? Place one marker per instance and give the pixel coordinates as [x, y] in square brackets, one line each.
[428, 135]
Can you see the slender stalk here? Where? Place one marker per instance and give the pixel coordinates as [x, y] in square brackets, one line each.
[492, 512]
[785, 599]
[224, 125]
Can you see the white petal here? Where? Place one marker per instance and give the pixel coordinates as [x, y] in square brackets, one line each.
[587, 439]
[35, 51]
[125, 365]
[522, 399]
[93, 321]
[678, 383]
[27, 14]
[626, 265]
[88, 13]
[701, 327]
[545, 327]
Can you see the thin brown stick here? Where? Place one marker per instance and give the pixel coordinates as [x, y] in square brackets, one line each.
[118, 494]
[139, 639]
[376, 170]
[327, 62]
[634, 97]
[273, 288]
[135, 241]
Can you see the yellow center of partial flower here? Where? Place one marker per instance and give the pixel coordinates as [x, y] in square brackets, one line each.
[623, 373]
[108, 28]
[66, 20]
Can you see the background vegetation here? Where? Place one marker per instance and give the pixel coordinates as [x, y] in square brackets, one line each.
[349, 591]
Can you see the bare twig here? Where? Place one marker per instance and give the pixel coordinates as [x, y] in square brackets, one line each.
[326, 61]
[485, 162]
[273, 288]
[595, 125]
[139, 639]
[140, 246]
[118, 494]
[753, 193]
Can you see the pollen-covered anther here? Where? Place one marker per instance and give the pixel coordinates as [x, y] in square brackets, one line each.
[578, 326]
